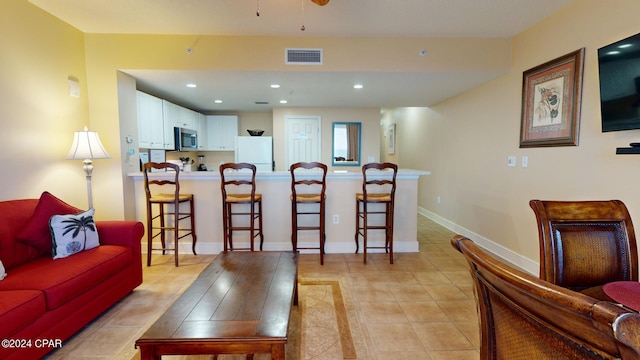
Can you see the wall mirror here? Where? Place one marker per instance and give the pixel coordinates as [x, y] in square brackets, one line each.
[346, 144]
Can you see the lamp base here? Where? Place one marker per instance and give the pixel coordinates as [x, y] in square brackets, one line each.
[88, 169]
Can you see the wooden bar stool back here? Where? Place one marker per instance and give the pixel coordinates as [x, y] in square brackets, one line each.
[378, 190]
[163, 192]
[238, 184]
[308, 188]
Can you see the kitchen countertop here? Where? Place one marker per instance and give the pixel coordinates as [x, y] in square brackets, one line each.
[277, 175]
[275, 188]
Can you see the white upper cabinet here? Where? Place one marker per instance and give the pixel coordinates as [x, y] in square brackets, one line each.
[201, 127]
[187, 118]
[157, 119]
[221, 132]
[150, 121]
[171, 113]
[177, 116]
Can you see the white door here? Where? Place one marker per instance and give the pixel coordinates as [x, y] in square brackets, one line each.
[303, 139]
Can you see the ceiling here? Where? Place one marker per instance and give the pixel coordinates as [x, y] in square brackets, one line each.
[239, 90]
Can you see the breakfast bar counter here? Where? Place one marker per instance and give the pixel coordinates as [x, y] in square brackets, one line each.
[275, 188]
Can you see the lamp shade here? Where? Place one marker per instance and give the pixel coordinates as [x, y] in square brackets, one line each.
[86, 145]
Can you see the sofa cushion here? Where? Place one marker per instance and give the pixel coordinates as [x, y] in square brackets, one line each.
[19, 308]
[15, 213]
[36, 231]
[66, 278]
[73, 233]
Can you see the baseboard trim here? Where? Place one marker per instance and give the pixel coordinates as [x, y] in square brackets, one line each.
[507, 255]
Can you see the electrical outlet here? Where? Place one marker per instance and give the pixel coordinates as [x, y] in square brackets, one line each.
[336, 219]
[511, 161]
[525, 161]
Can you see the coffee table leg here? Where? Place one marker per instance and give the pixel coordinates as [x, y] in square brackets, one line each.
[277, 352]
[147, 353]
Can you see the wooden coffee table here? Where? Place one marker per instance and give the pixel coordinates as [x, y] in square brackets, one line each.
[240, 304]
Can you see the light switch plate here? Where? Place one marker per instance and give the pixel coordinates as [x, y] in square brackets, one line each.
[74, 87]
[511, 161]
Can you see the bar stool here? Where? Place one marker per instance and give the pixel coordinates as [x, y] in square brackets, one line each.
[161, 199]
[243, 179]
[308, 190]
[378, 189]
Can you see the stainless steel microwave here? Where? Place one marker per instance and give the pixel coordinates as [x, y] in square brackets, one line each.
[185, 139]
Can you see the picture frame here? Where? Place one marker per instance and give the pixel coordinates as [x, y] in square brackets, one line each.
[551, 101]
[391, 140]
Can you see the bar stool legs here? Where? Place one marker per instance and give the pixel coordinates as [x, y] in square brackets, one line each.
[322, 236]
[229, 227]
[175, 229]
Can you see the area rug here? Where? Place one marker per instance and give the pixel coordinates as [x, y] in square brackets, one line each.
[325, 330]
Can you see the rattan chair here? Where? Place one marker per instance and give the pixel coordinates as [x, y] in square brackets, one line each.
[523, 317]
[585, 244]
[163, 192]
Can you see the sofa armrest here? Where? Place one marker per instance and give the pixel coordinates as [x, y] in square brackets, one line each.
[125, 233]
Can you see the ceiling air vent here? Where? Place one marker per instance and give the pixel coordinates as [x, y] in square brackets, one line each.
[303, 56]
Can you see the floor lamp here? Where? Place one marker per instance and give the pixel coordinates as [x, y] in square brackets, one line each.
[86, 147]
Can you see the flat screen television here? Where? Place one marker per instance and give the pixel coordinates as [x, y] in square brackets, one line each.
[619, 69]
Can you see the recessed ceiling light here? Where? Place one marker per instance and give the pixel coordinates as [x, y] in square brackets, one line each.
[275, 86]
[191, 85]
[217, 101]
[283, 101]
[358, 86]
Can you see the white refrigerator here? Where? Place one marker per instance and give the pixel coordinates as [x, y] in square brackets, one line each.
[256, 150]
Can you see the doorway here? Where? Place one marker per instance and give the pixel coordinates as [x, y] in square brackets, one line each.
[303, 138]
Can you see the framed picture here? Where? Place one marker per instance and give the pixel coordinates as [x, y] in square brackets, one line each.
[391, 141]
[551, 97]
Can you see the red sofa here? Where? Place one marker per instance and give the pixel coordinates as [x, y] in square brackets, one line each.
[44, 301]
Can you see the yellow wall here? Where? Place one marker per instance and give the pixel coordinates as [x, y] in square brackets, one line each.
[466, 140]
[38, 53]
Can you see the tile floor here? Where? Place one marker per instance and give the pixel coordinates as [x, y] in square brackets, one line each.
[422, 307]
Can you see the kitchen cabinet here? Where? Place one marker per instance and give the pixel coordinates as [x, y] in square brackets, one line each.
[150, 121]
[157, 118]
[186, 118]
[221, 132]
[171, 112]
[177, 116]
[201, 127]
